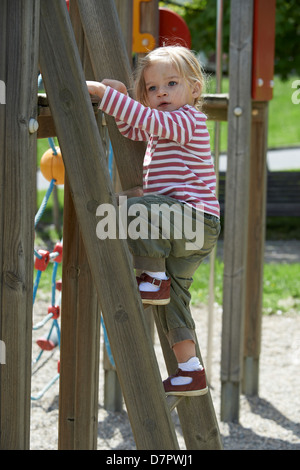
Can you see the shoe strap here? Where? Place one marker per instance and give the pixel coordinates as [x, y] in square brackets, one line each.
[152, 280]
[186, 373]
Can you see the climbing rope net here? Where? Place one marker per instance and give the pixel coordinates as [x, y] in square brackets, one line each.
[50, 341]
[43, 258]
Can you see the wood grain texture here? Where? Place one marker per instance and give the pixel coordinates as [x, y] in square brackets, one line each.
[109, 259]
[237, 198]
[110, 60]
[19, 40]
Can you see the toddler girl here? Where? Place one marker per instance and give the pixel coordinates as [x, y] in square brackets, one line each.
[179, 184]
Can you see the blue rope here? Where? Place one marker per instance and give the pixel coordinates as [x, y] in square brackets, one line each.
[44, 202]
[54, 272]
[52, 145]
[37, 281]
[110, 160]
[107, 345]
[36, 284]
[106, 340]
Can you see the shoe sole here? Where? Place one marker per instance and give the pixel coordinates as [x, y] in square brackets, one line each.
[156, 302]
[191, 393]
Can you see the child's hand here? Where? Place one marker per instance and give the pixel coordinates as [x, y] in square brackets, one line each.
[116, 84]
[96, 88]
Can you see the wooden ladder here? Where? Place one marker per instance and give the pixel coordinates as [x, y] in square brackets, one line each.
[90, 185]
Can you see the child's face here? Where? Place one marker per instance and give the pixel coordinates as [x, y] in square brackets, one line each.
[166, 90]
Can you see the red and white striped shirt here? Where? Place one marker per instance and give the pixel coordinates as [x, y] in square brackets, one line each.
[178, 160]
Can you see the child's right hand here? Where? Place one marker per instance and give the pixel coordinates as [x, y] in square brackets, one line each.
[116, 84]
[96, 88]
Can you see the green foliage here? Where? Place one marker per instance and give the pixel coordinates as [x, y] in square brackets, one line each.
[200, 16]
[287, 57]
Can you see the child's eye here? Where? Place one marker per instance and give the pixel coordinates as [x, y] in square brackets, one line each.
[152, 88]
[172, 83]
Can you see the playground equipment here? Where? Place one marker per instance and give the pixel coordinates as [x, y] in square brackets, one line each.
[52, 165]
[89, 265]
[51, 340]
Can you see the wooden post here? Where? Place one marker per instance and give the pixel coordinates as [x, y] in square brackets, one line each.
[103, 33]
[109, 259]
[80, 324]
[125, 10]
[237, 184]
[80, 342]
[256, 246]
[19, 35]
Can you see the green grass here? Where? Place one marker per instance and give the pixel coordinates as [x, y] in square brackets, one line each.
[284, 129]
[45, 284]
[42, 146]
[47, 217]
[283, 125]
[281, 287]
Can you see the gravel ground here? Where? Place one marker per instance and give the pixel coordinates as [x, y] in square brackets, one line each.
[270, 421]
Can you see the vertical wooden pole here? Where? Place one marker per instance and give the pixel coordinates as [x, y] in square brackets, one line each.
[19, 37]
[125, 15]
[80, 324]
[150, 18]
[256, 245]
[237, 184]
[109, 259]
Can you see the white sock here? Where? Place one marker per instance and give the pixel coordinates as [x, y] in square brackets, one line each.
[147, 286]
[192, 364]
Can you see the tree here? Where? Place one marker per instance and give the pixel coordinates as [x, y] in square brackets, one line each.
[200, 16]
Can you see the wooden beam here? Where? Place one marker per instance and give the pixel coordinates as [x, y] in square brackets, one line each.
[103, 33]
[237, 197]
[255, 250]
[19, 37]
[109, 259]
[214, 106]
[197, 415]
[80, 321]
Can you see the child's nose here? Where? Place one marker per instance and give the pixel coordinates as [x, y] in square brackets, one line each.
[162, 91]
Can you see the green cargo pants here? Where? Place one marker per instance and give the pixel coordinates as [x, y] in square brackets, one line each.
[166, 235]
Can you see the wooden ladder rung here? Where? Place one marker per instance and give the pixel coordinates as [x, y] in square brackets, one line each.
[173, 400]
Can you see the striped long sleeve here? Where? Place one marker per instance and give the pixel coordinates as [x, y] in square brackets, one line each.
[178, 160]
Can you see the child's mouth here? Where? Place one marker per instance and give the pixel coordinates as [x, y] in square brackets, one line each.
[162, 105]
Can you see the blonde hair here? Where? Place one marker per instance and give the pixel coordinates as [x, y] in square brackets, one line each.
[182, 58]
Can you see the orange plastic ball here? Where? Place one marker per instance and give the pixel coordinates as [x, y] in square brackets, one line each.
[52, 166]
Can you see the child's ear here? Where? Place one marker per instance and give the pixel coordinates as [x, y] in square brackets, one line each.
[197, 89]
